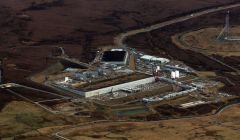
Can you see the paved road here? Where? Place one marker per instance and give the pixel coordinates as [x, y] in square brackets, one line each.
[218, 112]
[119, 40]
[222, 109]
[224, 64]
[8, 87]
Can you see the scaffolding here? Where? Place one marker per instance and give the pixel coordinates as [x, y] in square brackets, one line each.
[225, 34]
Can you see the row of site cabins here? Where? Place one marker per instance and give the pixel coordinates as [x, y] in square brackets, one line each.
[187, 89]
[153, 61]
[169, 96]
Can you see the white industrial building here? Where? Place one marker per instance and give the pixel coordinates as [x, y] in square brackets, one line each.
[108, 89]
[175, 74]
[154, 59]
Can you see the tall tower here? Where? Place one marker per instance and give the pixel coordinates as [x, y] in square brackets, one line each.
[1, 71]
[132, 61]
[227, 25]
[224, 35]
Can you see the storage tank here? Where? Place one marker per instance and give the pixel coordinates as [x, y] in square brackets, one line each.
[173, 74]
[177, 74]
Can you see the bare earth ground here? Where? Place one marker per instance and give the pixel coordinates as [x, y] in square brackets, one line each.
[205, 41]
[159, 42]
[77, 25]
[223, 126]
[18, 117]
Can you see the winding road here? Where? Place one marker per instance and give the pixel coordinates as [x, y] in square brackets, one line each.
[119, 42]
[60, 136]
[119, 39]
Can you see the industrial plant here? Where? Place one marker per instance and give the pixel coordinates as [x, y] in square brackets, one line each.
[149, 69]
[124, 75]
[119, 72]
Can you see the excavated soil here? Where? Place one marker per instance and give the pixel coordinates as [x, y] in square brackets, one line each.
[7, 97]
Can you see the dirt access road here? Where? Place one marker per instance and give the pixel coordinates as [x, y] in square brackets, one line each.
[220, 121]
[86, 26]
[119, 40]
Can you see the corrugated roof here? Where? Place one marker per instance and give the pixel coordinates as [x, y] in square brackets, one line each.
[153, 58]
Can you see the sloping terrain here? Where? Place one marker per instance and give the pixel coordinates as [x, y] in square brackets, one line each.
[31, 28]
[18, 117]
[223, 126]
[159, 42]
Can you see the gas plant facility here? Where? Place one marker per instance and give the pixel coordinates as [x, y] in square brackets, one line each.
[125, 82]
[117, 73]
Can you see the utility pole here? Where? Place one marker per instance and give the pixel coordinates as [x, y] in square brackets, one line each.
[227, 30]
[1, 70]
[224, 35]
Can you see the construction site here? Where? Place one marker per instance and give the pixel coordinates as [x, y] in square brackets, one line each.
[113, 71]
[126, 83]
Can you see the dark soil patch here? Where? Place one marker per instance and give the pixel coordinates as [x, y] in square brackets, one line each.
[52, 104]
[6, 97]
[85, 26]
[34, 95]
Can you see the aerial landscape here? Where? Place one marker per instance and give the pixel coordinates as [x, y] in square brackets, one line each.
[119, 70]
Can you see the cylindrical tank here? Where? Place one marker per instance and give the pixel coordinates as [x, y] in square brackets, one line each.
[173, 74]
[177, 74]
